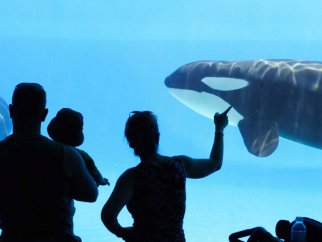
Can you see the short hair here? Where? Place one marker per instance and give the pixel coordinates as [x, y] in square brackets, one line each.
[142, 132]
[29, 99]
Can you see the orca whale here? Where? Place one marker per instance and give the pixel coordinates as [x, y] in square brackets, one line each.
[5, 120]
[270, 98]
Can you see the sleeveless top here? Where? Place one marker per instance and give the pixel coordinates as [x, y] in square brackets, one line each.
[158, 202]
[34, 189]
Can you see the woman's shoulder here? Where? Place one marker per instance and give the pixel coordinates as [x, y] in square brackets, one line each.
[181, 158]
[178, 160]
[176, 157]
[127, 177]
[129, 172]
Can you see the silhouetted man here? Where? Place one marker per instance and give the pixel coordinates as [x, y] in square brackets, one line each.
[39, 178]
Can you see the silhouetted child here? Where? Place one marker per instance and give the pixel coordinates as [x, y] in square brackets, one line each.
[67, 128]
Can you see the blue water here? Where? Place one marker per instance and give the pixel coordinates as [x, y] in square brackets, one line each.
[106, 59]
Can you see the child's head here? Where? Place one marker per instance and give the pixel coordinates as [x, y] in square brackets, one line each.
[67, 127]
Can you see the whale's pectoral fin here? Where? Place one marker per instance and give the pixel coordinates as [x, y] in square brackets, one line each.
[261, 137]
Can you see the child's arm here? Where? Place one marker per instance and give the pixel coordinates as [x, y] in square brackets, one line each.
[91, 167]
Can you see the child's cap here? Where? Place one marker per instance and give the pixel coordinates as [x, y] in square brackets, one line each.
[67, 127]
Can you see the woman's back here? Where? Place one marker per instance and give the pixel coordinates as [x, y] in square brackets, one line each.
[154, 191]
[158, 202]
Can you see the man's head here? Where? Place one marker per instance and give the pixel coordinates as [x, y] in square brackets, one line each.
[28, 102]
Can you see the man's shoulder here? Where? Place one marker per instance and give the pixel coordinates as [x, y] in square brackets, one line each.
[54, 147]
[30, 139]
[45, 140]
[6, 139]
[84, 154]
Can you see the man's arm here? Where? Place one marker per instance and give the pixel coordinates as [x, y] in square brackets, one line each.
[83, 186]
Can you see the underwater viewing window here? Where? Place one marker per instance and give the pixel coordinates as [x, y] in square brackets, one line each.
[184, 61]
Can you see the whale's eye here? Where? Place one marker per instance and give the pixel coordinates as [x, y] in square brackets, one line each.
[224, 84]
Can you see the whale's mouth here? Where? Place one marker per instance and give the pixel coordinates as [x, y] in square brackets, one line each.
[205, 104]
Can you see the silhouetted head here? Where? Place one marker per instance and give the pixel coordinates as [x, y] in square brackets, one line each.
[67, 127]
[142, 133]
[283, 230]
[28, 102]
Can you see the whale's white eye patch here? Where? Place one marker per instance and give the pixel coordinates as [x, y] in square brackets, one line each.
[224, 84]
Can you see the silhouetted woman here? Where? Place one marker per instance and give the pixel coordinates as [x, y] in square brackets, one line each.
[154, 191]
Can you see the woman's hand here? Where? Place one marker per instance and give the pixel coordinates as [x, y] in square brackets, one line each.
[221, 120]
